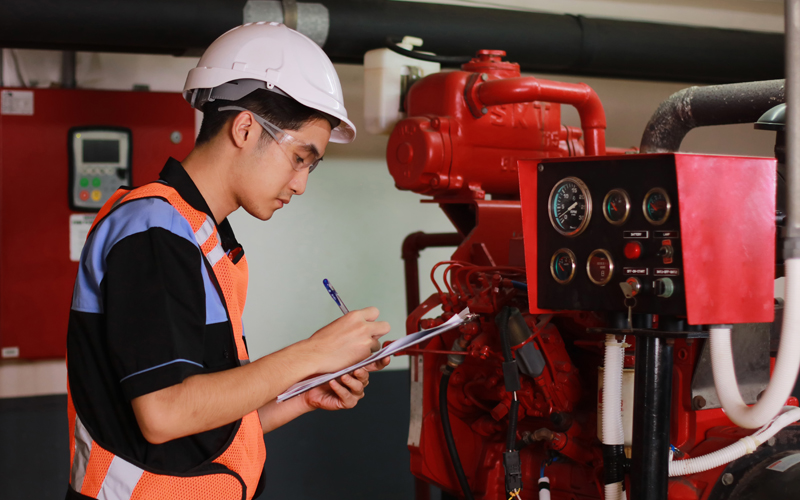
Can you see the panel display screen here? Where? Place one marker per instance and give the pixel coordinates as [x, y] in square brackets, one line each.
[100, 151]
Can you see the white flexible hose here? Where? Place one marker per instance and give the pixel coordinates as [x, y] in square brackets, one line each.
[740, 448]
[786, 365]
[613, 490]
[613, 430]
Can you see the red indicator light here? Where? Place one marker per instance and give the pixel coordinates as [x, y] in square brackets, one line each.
[633, 250]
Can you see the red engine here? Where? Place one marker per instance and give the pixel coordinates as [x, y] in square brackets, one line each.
[467, 134]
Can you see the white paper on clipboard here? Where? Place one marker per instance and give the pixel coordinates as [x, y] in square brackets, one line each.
[394, 347]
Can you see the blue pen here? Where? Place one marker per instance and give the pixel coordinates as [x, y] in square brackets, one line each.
[335, 296]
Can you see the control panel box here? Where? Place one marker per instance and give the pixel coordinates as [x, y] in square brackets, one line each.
[672, 234]
[99, 164]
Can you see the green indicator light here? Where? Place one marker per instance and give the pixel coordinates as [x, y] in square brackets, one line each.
[96, 182]
[84, 182]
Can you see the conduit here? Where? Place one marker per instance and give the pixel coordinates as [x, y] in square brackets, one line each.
[540, 42]
[613, 430]
[740, 448]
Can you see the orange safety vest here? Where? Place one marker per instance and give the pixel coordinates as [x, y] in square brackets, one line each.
[235, 471]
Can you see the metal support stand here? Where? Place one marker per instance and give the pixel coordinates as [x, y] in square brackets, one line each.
[651, 418]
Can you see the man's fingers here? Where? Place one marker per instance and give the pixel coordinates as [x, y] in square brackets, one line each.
[378, 365]
[370, 313]
[355, 385]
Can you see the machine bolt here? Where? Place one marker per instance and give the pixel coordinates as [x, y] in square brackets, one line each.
[699, 402]
[484, 77]
[541, 168]
[436, 123]
[484, 110]
[176, 137]
[727, 479]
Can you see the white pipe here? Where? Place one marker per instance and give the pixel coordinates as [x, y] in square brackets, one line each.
[786, 364]
[613, 430]
[740, 448]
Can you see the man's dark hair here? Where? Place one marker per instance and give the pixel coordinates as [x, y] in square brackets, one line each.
[284, 112]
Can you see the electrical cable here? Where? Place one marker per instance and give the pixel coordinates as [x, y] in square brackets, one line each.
[391, 44]
[448, 434]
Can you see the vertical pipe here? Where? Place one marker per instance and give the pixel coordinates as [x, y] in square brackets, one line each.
[792, 128]
[68, 63]
[651, 416]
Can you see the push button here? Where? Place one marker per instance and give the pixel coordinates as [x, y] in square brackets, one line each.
[633, 250]
[96, 182]
[84, 182]
[84, 195]
[96, 195]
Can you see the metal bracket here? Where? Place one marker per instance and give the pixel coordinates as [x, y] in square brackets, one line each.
[750, 342]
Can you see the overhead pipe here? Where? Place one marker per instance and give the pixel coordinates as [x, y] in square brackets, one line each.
[705, 106]
[529, 89]
[539, 42]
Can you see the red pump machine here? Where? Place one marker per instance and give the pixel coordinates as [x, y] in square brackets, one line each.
[563, 241]
[62, 153]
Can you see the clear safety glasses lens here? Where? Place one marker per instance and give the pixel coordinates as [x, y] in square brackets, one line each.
[300, 154]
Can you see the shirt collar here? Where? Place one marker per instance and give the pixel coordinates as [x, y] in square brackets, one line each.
[176, 177]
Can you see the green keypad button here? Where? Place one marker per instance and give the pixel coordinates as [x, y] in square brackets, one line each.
[96, 182]
[84, 182]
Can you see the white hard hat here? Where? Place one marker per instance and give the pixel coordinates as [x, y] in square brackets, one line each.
[272, 57]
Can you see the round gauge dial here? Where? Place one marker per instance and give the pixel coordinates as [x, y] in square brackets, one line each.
[562, 266]
[570, 206]
[617, 206]
[656, 206]
[600, 267]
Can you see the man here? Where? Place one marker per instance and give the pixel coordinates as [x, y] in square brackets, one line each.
[163, 401]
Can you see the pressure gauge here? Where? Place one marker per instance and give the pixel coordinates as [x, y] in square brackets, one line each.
[617, 206]
[562, 266]
[656, 206]
[570, 206]
[600, 267]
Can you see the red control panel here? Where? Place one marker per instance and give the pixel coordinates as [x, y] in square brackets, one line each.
[694, 235]
[37, 271]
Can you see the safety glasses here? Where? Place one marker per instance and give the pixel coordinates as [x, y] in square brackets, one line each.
[301, 155]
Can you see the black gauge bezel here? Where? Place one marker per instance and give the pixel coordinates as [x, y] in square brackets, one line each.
[644, 206]
[586, 195]
[571, 255]
[607, 255]
[627, 206]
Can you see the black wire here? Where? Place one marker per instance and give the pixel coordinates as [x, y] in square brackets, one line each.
[511, 437]
[502, 324]
[391, 43]
[448, 434]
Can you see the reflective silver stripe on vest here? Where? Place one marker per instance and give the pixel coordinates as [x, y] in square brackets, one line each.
[83, 448]
[215, 254]
[120, 481]
[205, 231]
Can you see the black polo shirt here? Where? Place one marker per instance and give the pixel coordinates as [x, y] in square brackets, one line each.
[146, 314]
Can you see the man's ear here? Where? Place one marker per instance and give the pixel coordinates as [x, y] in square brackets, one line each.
[242, 129]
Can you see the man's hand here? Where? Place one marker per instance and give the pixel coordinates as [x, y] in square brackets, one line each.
[345, 392]
[349, 339]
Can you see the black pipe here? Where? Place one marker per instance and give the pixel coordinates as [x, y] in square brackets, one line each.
[540, 42]
[652, 394]
[448, 433]
[705, 106]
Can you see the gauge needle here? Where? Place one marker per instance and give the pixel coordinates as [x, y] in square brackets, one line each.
[567, 210]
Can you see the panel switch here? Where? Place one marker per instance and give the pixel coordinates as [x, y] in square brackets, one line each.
[664, 287]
